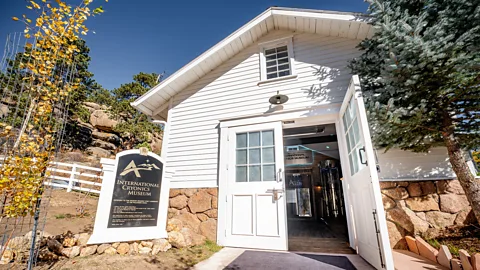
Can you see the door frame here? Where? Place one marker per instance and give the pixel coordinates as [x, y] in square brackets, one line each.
[324, 114]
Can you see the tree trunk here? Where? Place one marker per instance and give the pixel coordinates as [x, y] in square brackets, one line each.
[467, 180]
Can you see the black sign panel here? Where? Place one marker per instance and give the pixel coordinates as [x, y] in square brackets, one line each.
[136, 192]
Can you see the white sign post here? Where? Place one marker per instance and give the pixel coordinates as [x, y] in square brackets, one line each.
[133, 200]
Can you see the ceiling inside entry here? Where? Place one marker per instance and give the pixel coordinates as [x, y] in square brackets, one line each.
[321, 138]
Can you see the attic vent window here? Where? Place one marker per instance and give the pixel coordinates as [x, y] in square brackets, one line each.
[276, 60]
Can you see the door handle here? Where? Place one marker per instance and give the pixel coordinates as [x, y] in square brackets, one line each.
[275, 193]
[279, 176]
[360, 156]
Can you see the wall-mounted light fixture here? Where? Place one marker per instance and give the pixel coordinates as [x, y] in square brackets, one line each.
[278, 99]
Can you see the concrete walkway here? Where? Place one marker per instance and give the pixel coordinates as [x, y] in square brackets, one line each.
[248, 259]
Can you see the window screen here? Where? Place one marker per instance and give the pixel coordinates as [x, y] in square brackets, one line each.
[255, 156]
[277, 62]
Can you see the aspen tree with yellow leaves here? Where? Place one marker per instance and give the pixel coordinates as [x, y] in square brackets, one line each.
[30, 146]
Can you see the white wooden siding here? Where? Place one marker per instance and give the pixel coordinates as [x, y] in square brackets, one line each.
[398, 165]
[231, 90]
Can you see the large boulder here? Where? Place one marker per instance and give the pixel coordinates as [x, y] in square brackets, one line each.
[208, 229]
[103, 144]
[425, 203]
[453, 203]
[107, 137]
[19, 243]
[98, 152]
[200, 202]
[156, 144]
[94, 106]
[102, 120]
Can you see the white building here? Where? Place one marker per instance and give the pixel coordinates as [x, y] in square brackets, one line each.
[223, 133]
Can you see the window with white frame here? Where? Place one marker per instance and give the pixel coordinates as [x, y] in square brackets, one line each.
[276, 59]
[277, 62]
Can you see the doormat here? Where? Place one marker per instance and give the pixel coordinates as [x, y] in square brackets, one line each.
[251, 259]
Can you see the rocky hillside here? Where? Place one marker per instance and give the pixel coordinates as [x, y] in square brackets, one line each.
[95, 133]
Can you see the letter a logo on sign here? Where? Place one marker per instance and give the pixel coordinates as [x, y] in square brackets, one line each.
[131, 167]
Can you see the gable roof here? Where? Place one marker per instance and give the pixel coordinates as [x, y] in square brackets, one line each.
[328, 23]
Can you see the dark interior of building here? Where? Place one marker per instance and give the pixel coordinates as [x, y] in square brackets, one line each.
[315, 203]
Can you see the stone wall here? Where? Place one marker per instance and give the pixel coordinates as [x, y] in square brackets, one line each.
[196, 209]
[423, 207]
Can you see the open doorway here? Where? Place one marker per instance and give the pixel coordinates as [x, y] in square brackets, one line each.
[316, 212]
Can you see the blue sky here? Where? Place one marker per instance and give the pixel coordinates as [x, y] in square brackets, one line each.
[157, 36]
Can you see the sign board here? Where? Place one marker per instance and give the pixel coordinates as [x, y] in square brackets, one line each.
[133, 200]
[298, 157]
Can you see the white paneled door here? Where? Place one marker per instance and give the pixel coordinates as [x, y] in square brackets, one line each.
[256, 213]
[367, 215]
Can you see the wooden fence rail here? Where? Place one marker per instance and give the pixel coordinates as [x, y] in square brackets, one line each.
[73, 176]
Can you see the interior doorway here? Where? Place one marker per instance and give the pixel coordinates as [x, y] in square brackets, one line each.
[316, 214]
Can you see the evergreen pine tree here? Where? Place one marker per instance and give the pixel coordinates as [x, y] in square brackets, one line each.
[420, 75]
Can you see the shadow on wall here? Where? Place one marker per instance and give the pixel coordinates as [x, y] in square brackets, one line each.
[399, 164]
[327, 83]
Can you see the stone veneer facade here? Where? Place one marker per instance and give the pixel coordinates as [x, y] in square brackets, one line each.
[412, 208]
[196, 208]
[421, 207]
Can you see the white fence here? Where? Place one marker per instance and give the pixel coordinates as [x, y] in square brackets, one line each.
[73, 176]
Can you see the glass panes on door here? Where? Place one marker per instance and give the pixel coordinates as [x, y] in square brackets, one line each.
[354, 141]
[255, 156]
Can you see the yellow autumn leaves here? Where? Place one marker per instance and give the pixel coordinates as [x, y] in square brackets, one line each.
[51, 59]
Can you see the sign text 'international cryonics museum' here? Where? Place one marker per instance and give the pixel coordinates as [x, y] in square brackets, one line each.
[133, 201]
